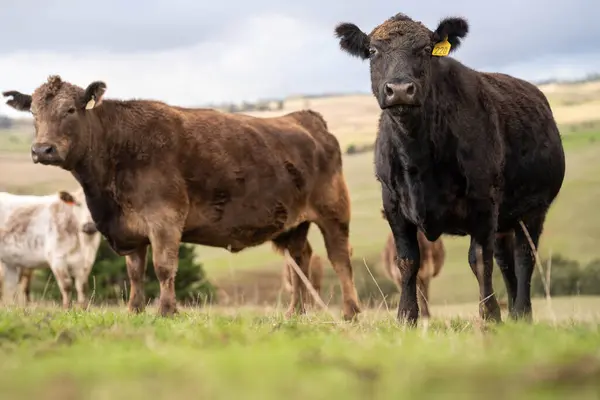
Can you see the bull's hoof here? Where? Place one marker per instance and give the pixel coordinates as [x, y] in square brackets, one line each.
[136, 307]
[294, 311]
[523, 314]
[490, 311]
[137, 303]
[351, 310]
[408, 318]
[167, 308]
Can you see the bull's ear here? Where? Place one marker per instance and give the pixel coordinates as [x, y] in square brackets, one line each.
[94, 94]
[19, 101]
[454, 29]
[353, 40]
[66, 197]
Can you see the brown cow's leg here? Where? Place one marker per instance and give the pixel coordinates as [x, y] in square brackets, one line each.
[136, 268]
[489, 309]
[335, 234]
[294, 241]
[423, 296]
[315, 270]
[299, 292]
[165, 256]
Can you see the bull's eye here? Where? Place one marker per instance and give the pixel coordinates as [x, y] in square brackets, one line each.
[71, 110]
[372, 51]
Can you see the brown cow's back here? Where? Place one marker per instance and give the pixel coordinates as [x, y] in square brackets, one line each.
[226, 169]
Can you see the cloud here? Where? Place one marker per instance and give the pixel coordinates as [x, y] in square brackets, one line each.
[248, 62]
[191, 53]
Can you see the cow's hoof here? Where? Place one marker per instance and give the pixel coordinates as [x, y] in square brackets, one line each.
[490, 311]
[135, 307]
[294, 312]
[408, 318]
[351, 310]
[167, 308]
[523, 315]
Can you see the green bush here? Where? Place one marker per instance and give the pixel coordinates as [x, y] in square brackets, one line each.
[589, 283]
[565, 278]
[110, 284]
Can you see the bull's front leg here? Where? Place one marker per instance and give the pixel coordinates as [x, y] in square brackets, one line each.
[481, 260]
[136, 269]
[408, 262]
[165, 256]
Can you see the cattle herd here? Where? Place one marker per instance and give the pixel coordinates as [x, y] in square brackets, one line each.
[458, 152]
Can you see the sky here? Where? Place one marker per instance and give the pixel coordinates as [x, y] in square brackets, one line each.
[194, 52]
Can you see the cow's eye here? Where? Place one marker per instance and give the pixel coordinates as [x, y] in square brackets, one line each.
[372, 51]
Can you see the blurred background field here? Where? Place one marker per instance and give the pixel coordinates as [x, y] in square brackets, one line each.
[253, 276]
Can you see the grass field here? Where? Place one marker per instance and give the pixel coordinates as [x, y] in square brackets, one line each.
[255, 354]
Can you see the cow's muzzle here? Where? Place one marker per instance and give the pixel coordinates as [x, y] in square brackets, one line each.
[398, 93]
[44, 153]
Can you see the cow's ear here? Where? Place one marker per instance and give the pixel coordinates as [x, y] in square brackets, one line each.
[19, 101]
[352, 40]
[453, 30]
[66, 197]
[93, 95]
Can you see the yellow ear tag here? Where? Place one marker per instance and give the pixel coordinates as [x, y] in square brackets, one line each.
[442, 48]
[90, 104]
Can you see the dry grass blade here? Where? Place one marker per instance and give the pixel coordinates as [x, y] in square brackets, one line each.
[309, 286]
[541, 269]
[377, 284]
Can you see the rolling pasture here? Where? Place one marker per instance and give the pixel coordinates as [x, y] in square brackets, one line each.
[244, 347]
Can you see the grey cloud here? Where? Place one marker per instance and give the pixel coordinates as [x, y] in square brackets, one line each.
[502, 33]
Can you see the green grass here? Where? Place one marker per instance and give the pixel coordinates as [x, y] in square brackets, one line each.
[256, 354]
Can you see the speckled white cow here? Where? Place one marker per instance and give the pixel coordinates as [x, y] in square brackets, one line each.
[54, 231]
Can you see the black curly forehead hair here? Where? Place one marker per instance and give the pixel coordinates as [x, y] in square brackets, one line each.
[402, 25]
[398, 25]
[356, 42]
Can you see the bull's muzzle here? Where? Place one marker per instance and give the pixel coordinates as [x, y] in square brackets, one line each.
[44, 153]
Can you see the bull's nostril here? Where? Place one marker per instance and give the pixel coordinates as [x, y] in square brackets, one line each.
[388, 90]
[48, 149]
[410, 90]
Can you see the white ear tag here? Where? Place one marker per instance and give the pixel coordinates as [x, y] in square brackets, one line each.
[90, 104]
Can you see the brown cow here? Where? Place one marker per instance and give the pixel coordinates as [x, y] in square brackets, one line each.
[432, 259]
[159, 175]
